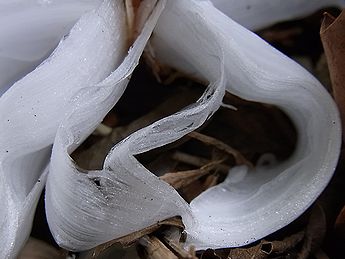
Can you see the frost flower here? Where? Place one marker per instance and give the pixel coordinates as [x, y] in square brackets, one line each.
[45, 115]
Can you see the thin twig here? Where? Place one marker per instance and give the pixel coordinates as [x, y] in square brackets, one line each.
[197, 161]
[129, 239]
[239, 158]
[183, 178]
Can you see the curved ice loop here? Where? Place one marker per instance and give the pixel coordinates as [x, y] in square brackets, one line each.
[32, 109]
[30, 29]
[85, 209]
[257, 14]
[239, 212]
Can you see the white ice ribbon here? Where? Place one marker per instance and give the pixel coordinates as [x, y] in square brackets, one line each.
[62, 101]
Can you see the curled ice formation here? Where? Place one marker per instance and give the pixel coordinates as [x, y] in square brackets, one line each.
[86, 208]
[234, 214]
[32, 109]
[62, 101]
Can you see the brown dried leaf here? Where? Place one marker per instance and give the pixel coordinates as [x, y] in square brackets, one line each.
[279, 247]
[266, 248]
[253, 252]
[193, 190]
[184, 178]
[333, 39]
[197, 161]
[239, 158]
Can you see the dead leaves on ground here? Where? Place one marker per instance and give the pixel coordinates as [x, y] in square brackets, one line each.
[164, 240]
[132, 238]
[197, 172]
[266, 248]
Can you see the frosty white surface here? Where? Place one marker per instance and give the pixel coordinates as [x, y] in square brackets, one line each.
[240, 212]
[64, 99]
[256, 14]
[124, 197]
[83, 213]
[30, 30]
[32, 109]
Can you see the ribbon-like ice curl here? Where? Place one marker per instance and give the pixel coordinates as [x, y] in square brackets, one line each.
[64, 99]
